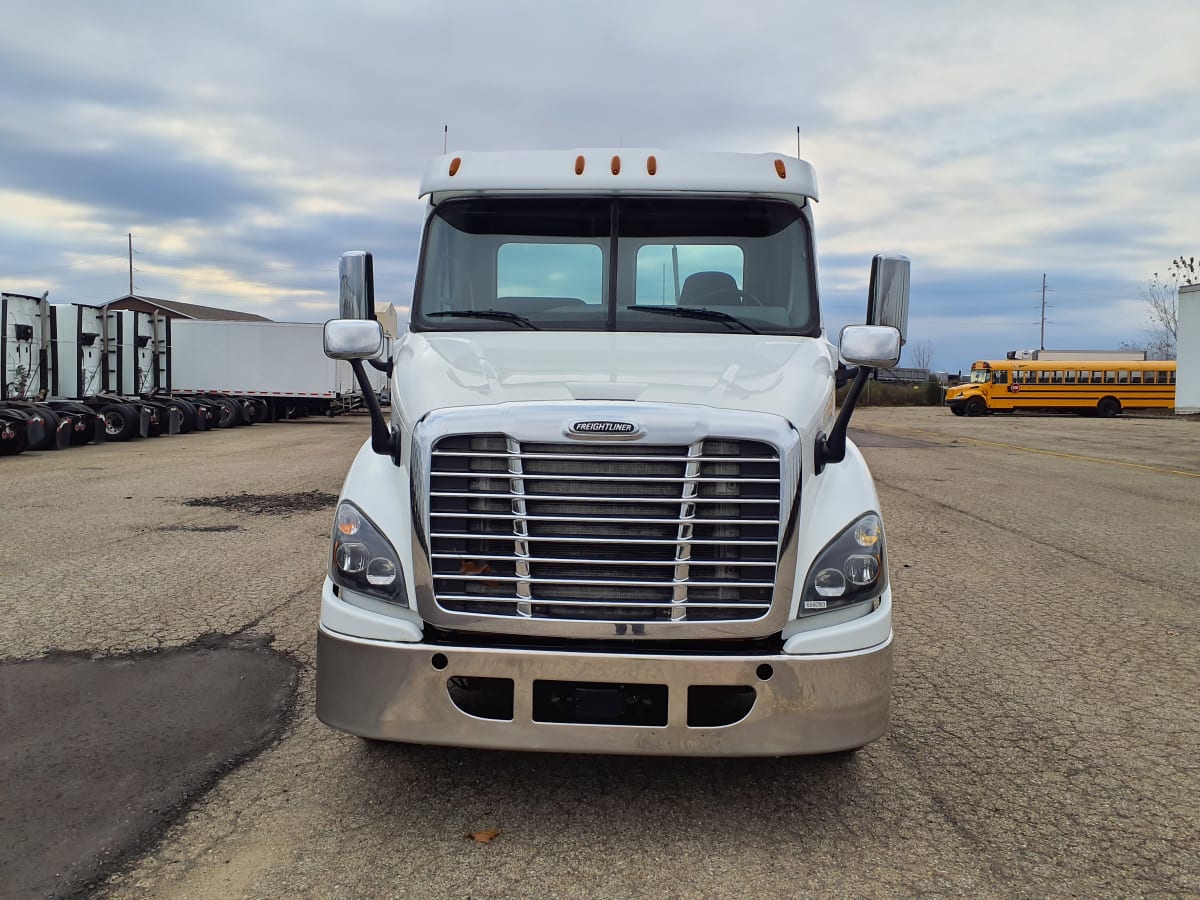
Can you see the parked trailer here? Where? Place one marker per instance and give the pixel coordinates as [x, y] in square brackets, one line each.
[34, 416]
[272, 370]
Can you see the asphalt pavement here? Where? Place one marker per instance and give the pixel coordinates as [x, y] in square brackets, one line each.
[1046, 717]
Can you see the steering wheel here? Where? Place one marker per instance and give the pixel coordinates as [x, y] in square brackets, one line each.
[743, 296]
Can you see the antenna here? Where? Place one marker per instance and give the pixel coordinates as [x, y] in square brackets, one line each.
[131, 264]
[445, 138]
[797, 142]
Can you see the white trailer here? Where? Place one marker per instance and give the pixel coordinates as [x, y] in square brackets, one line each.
[613, 509]
[1187, 345]
[280, 366]
[1069, 355]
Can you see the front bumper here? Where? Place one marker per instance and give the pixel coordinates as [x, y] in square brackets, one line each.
[806, 704]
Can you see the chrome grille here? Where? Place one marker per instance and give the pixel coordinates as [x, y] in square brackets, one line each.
[604, 532]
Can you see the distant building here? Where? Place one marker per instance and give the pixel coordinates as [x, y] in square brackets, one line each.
[173, 309]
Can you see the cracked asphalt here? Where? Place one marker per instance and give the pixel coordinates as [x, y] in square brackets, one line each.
[1046, 721]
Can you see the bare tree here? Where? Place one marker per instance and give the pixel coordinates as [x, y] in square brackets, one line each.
[1161, 297]
[921, 355]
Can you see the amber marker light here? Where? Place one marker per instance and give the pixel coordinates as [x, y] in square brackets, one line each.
[780, 168]
[348, 521]
[579, 165]
[652, 165]
[616, 165]
[454, 164]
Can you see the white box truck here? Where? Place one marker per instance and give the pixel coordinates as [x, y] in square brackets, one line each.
[613, 509]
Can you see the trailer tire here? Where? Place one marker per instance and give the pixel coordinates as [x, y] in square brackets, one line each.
[231, 413]
[187, 412]
[262, 412]
[1108, 407]
[120, 421]
[975, 407]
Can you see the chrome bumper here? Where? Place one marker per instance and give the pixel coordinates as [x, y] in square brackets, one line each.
[806, 704]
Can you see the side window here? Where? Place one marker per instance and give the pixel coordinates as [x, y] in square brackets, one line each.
[550, 271]
[1171, 376]
[1135, 377]
[656, 268]
[1069, 377]
[1056, 376]
[999, 376]
[1043, 377]
[1110, 377]
[1149, 377]
[1123, 376]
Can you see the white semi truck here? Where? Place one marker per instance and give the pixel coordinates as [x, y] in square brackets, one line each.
[613, 509]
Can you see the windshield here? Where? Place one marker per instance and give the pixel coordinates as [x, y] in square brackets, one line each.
[980, 376]
[617, 264]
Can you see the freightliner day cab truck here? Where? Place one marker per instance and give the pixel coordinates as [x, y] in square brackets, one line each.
[612, 510]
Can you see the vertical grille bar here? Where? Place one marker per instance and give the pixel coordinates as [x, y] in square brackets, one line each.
[520, 528]
[683, 550]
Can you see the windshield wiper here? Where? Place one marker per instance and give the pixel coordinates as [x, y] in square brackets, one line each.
[501, 315]
[697, 312]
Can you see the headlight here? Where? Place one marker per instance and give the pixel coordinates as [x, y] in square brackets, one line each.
[362, 559]
[852, 568]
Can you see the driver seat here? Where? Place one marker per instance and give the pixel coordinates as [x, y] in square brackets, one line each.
[710, 289]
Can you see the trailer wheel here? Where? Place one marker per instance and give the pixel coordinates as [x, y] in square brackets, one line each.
[1108, 407]
[262, 412]
[187, 422]
[120, 421]
[975, 407]
[231, 413]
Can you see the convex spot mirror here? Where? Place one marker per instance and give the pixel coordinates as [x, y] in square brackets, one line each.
[356, 295]
[873, 346]
[353, 339]
[887, 298]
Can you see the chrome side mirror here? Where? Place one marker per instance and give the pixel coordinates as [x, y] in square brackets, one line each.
[873, 346]
[887, 298]
[356, 295]
[353, 339]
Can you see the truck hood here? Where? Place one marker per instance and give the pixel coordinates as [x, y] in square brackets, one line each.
[782, 375]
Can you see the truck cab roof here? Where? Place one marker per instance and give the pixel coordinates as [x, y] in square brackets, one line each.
[617, 170]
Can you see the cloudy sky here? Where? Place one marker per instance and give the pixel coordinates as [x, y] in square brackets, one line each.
[245, 145]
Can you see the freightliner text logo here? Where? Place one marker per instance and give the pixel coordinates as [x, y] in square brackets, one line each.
[603, 427]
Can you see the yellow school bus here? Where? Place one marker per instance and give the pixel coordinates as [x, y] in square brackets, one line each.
[1104, 387]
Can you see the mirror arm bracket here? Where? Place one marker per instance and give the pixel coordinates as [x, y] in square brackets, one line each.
[383, 439]
[381, 366]
[831, 448]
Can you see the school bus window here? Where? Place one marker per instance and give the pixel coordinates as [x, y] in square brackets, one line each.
[1110, 377]
[1171, 376]
[999, 377]
[1123, 376]
[1069, 377]
[1043, 377]
[1057, 376]
[1150, 377]
[1135, 377]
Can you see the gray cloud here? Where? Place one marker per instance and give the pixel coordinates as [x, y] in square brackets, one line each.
[146, 181]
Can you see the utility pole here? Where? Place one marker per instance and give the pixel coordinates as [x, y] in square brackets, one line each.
[1043, 344]
[131, 264]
